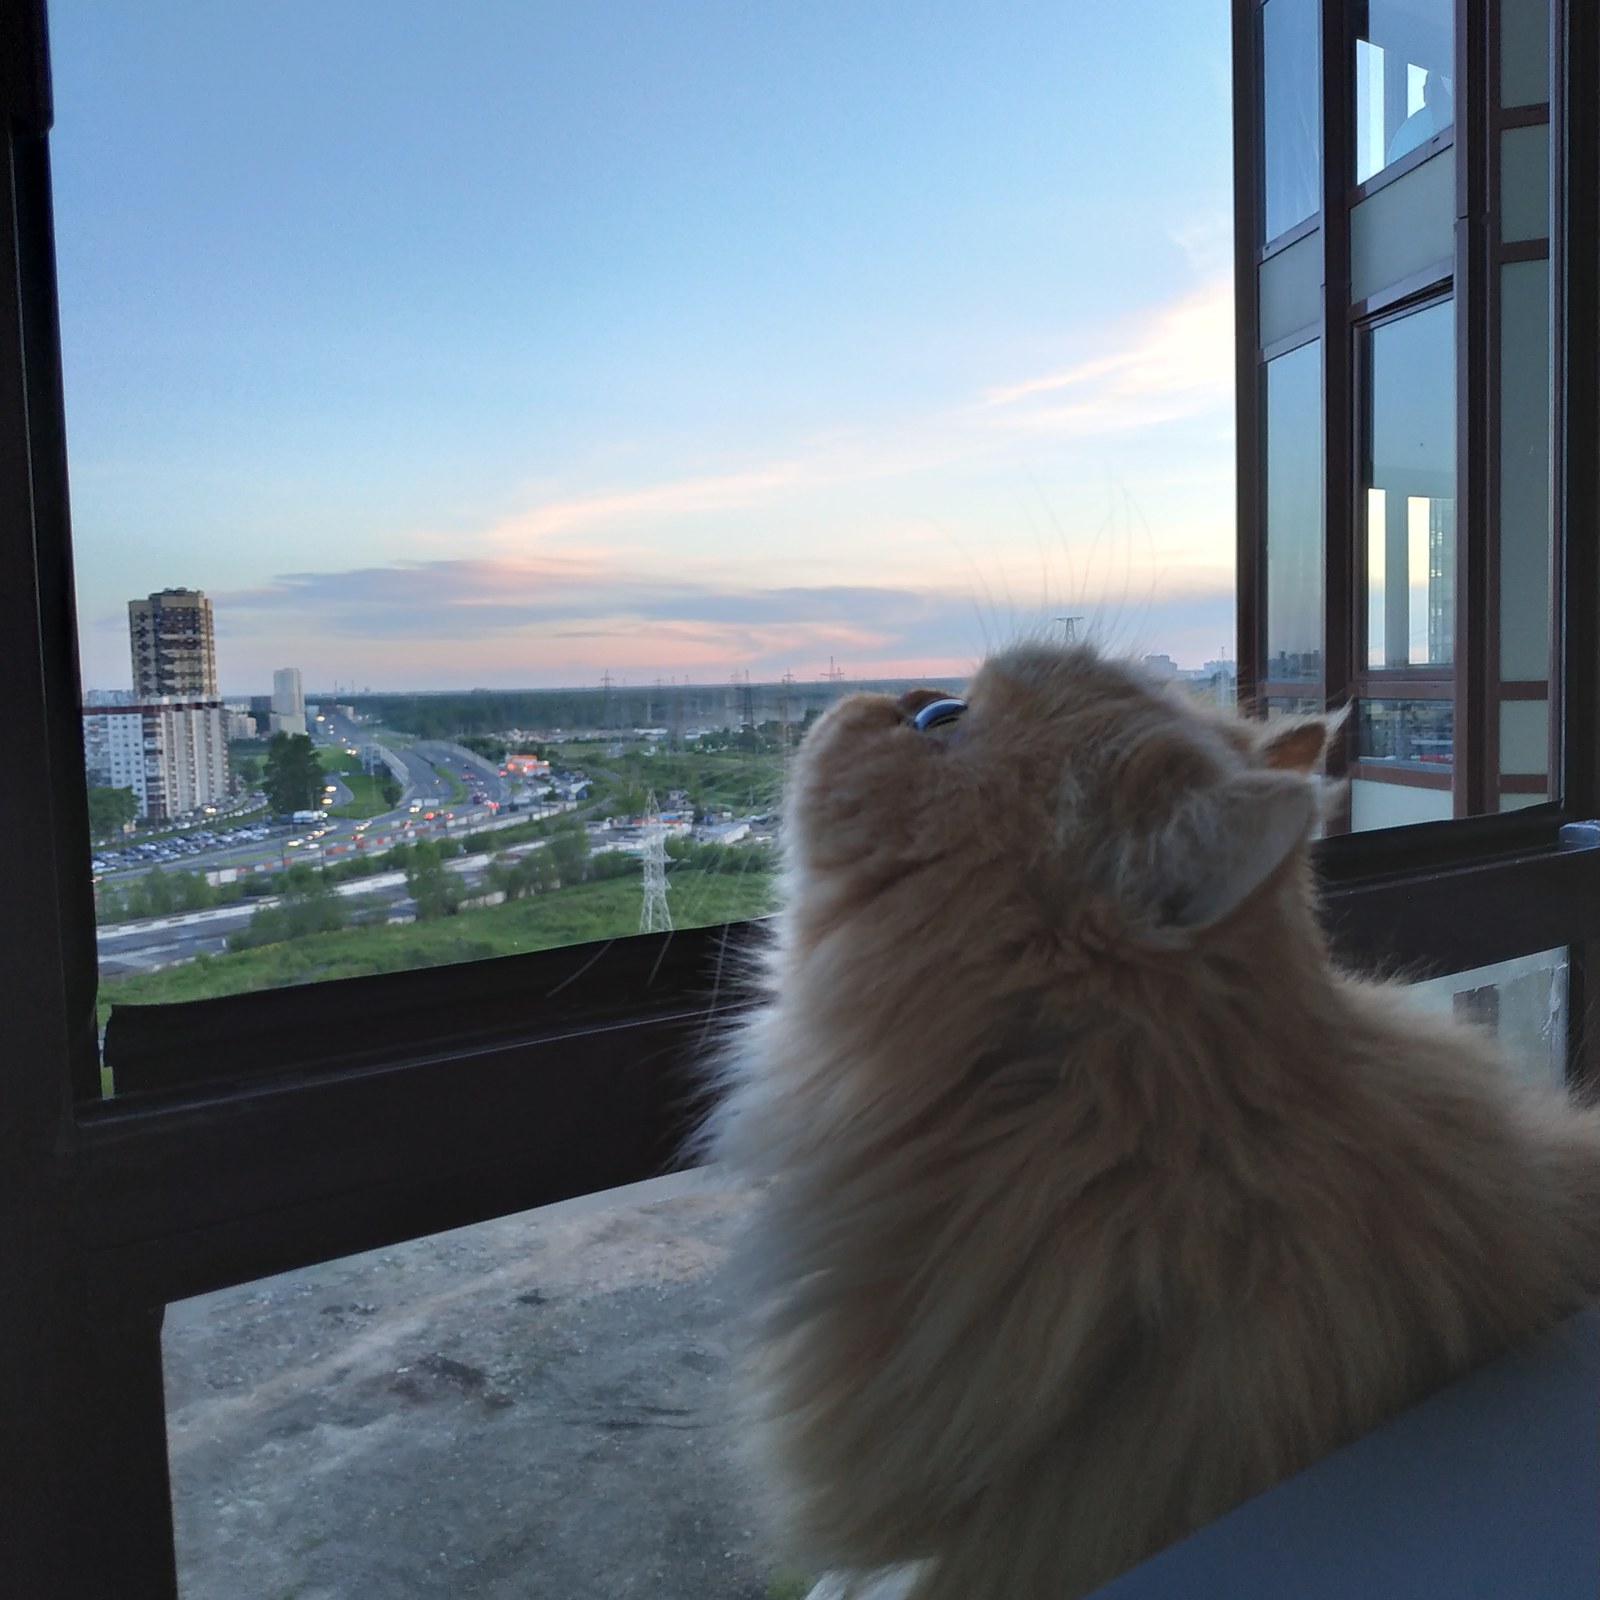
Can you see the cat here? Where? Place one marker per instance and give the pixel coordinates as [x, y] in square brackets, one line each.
[1094, 1198]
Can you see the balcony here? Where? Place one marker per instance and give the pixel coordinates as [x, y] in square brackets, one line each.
[532, 1407]
[537, 1407]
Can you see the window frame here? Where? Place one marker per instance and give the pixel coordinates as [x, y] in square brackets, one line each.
[111, 1208]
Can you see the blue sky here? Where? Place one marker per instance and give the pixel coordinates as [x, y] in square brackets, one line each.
[510, 343]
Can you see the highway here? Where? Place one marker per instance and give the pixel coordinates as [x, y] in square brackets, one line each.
[423, 790]
[145, 944]
[148, 943]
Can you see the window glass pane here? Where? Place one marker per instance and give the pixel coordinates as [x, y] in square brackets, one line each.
[1526, 531]
[1405, 89]
[1291, 119]
[535, 1407]
[1525, 523]
[1524, 52]
[1291, 290]
[1524, 737]
[1525, 183]
[1384, 803]
[1294, 514]
[554, 409]
[1409, 499]
[1522, 1002]
[1407, 734]
[1405, 228]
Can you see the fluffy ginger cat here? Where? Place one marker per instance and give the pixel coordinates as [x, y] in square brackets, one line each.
[1095, 1199]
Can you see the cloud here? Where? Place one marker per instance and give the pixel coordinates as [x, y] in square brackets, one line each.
[465, 598]
[503, 621]
[1172, 363]
[737, 564]
[623, 508]
[1167, 363]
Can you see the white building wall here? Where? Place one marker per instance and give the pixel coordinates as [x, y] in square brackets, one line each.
[114, 751]
[173, 754]
[288, 701]
[194, 754]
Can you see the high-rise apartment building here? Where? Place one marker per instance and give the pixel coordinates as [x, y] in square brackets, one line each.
[173, 754]
[288, 701]
[174, 649]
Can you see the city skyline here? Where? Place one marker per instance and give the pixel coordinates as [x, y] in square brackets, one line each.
[723, 341]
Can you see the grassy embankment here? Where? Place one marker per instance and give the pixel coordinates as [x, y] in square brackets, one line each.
[458, 791]
[365, 787]
[731, 780]
[588, 911]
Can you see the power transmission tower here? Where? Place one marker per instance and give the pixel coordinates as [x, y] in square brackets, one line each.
[1069, 629]
[654, 917]
[788, 682]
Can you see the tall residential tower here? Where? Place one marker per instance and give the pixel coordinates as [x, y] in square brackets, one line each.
[174, 649]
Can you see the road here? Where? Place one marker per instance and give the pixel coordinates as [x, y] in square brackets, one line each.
[152, 942]
[423, 790]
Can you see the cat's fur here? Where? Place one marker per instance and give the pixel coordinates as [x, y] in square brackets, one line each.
[1095, 1198]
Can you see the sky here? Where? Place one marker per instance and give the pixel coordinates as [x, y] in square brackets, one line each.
[511, 343]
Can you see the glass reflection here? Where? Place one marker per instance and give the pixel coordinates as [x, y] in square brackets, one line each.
[1414, 734]
[1522, 1002]
[1290, 113]
[1294, 515]
[1409, 474]
[1405, 89]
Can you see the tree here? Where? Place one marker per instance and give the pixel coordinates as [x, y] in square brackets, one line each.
[434, 887]
[248, 771]
[306, 906]
[569, 852]
[294, 777]
[485, 745]
[110, 810]
[389, 788]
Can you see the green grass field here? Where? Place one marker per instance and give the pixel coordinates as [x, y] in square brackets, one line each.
[589, 911]
[734, 780]
[458, 791]
[365, 787]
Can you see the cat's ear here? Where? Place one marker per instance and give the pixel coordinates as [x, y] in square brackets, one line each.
[1300, 745]
[1228, 839]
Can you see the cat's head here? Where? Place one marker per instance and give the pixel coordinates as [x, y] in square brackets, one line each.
[1074, 790]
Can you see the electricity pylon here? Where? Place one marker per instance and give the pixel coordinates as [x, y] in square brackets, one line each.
[654, 917]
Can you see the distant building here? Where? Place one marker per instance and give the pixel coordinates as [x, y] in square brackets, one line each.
[1162, 666]
[172, 753]
[173, 646]
[288, 701]
[239, 724]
